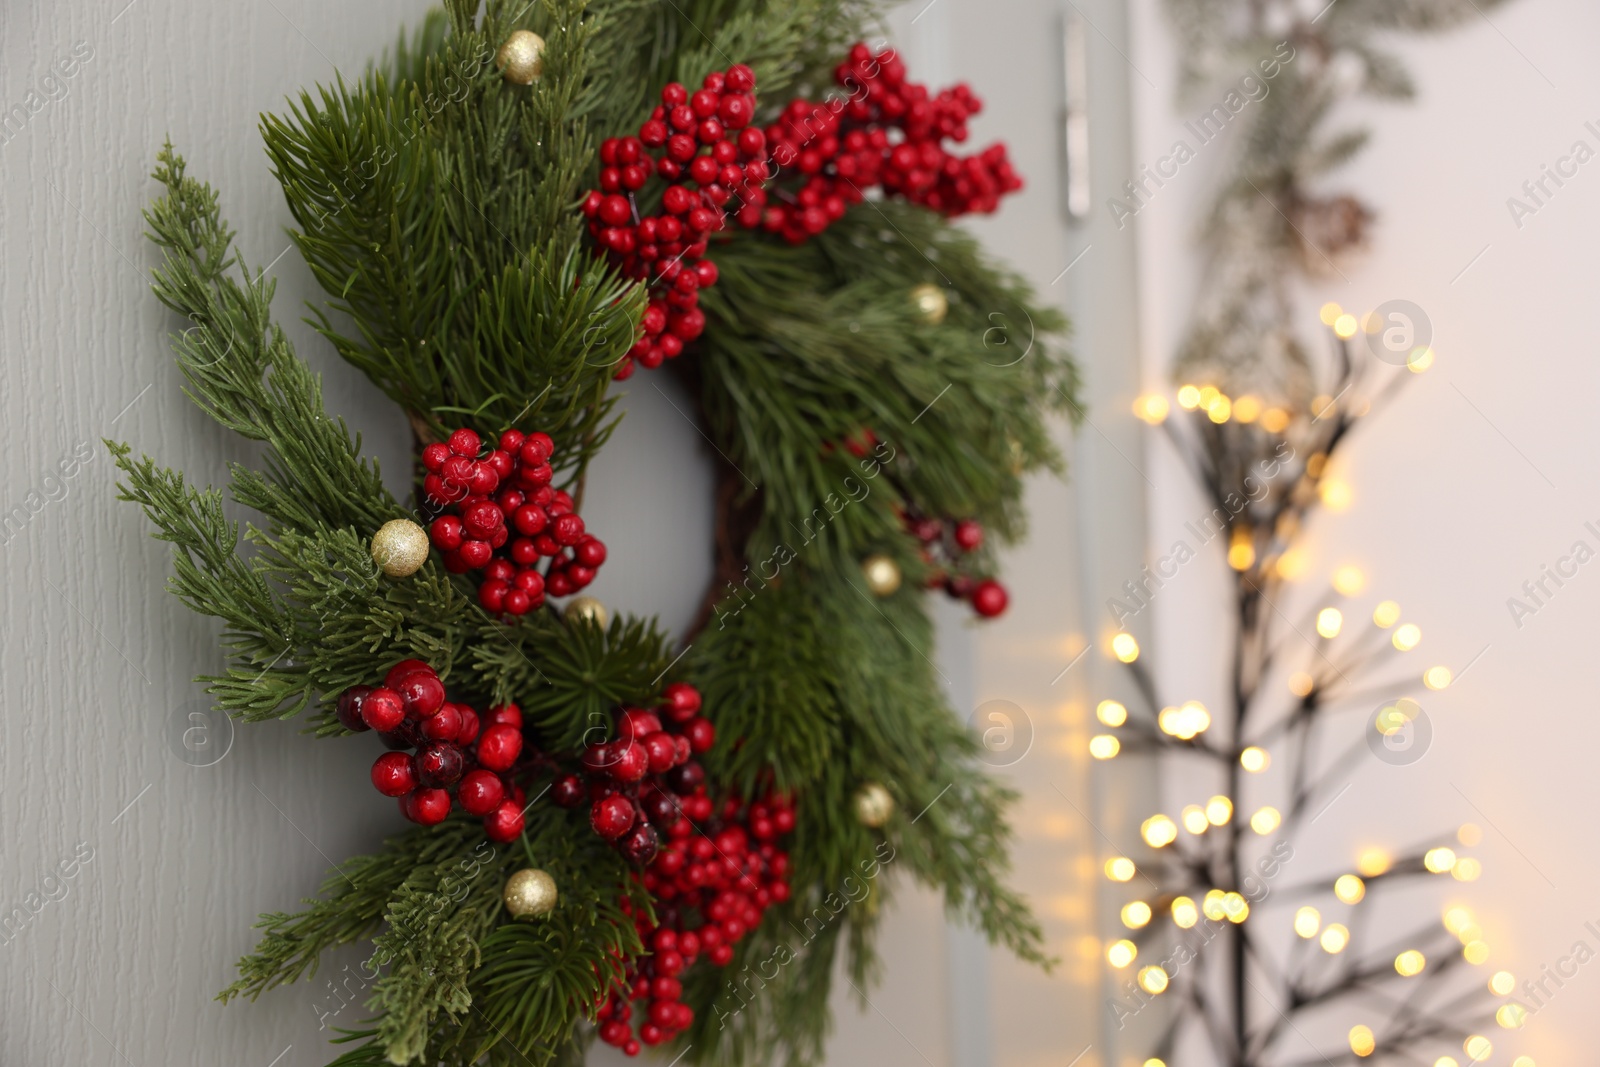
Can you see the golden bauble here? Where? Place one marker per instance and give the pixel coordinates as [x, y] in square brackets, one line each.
[400, 548]
[882, 574]
[590, 609]
[530, 893]
[931, 302]
[874, 805]
[521, 58]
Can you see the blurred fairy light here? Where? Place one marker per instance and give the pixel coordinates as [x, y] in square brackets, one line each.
[1124, 647]
[1386, 614]
[1121, 953]
[1266, 820]
[1152, 409]
[1349, 581]
[1153, 979]
[1274, 420]
[1466, 869]
[1184, 912]
[1349, 889]
[1329, 620]
[1254, 759]
[1241, 549]
[1219, 809]
[1247, 408]
[1104, 746]
[1410, 963]
[1475, 952]
[1406, 637]
[1478, 1047]
[1503, 983]
[1439, 860]
[1189, 397]
[1158, 831]
[1511, 1016]
[1111, 713]
[1301, 684]
[1307, 922]
[1120, 869]
[1211, 905]
[1334, 938]
[1135, 914]
[1372, 862]
[1361, 1040]
[1336, 495]
[1437, 677]
[1345, 326]
[1194, 819]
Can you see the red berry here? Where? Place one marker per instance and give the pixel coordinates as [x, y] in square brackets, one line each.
[434, 455]
[662, 752]
[382, 710]
[444, 725]
[631, 762]
[428, 807]
[469, 725]
[393, 775]
[511, 440]
[611, 816]
[504, 823]
[509, 714]
[702, 735]
[682, 701]
[969, 534]
[480, 792]
[446, 533]
[989, 598]
[568, 791]
[530, 519]
[440, 764]
[465, 443]
[518, 602]
[499, 746]
[475, 553]
[421, 693]
[348, 710]
[567, 530]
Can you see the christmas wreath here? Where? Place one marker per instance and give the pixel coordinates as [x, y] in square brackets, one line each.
[619, 835]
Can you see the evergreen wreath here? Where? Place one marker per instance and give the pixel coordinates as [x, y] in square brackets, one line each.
[617, 839]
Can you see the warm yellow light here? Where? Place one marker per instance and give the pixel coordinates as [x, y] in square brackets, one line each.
[1336, 495]
[1186, 722]
[1266, 820]
[1307, 921]
[1334, 938]
[1329, 620]
[1209, 395]
[1475, 952]
[1361, 1040]
[1120, 869]
[1153, 980]
[1420, 359]
[1194, 819]
[1392, 718]
[1345, 326]
[1522, 1061]
[1470, 933]
[1386, 614]
[1152, 408]
[1410, 963]
[1373, 862]
[1470, 834]
[1247, 408]
[1457, 919]
[1478, 1047]
[1241, 549]
[1349, 888]
[1219, 810]
[1407, 636]
[1437, 677]
[1184, 912]
[1104, 746]
[1121, 953]
[1111, 712]
[1154, 1062]
[1188, 397]
[1292, 564]
[1301, 684]
[1502, 983]
[1124, 647]
[1446, 1061]
[1254, 759]
[1211, 905]
[1235, 907]
[1466, 869]
[1349, 581]
[1220, 410]
[1330, 313]
[1511, 1016]
[1135, 915]
[1439, 860]
[1274, 420]
[1158, 831]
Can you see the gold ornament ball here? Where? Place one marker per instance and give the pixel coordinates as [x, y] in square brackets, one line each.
[874, 805]
[521, 58]
[590, 609]
[530, 893]
[400, 548]
[931, 302]
[882, 574]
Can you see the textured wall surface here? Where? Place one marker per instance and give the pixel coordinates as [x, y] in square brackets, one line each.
[139, 874]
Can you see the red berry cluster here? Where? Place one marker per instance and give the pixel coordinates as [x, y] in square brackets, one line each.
[703, 144]
[943, 543]
[440, 749]
[711, 890]
[502, 517]
[638, 784]
[887, 132]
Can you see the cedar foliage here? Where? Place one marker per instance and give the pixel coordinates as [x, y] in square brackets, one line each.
[437, 207]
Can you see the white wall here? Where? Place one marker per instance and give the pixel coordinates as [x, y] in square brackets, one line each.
[1480, 474]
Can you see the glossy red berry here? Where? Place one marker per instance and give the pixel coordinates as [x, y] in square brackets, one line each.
[611, 816]
[440, 764]
[465, 443]
[443, 725]
[382, 709]
[702, 735]
[421, 693]
[989, 598]
[499, 746]
[504, 823]
[480, 792]
[393, 774]
[348, 709]
[968, 535]
[429, 807]
[568, 791]
[469, 725]
[631, 762]
[681, 701]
